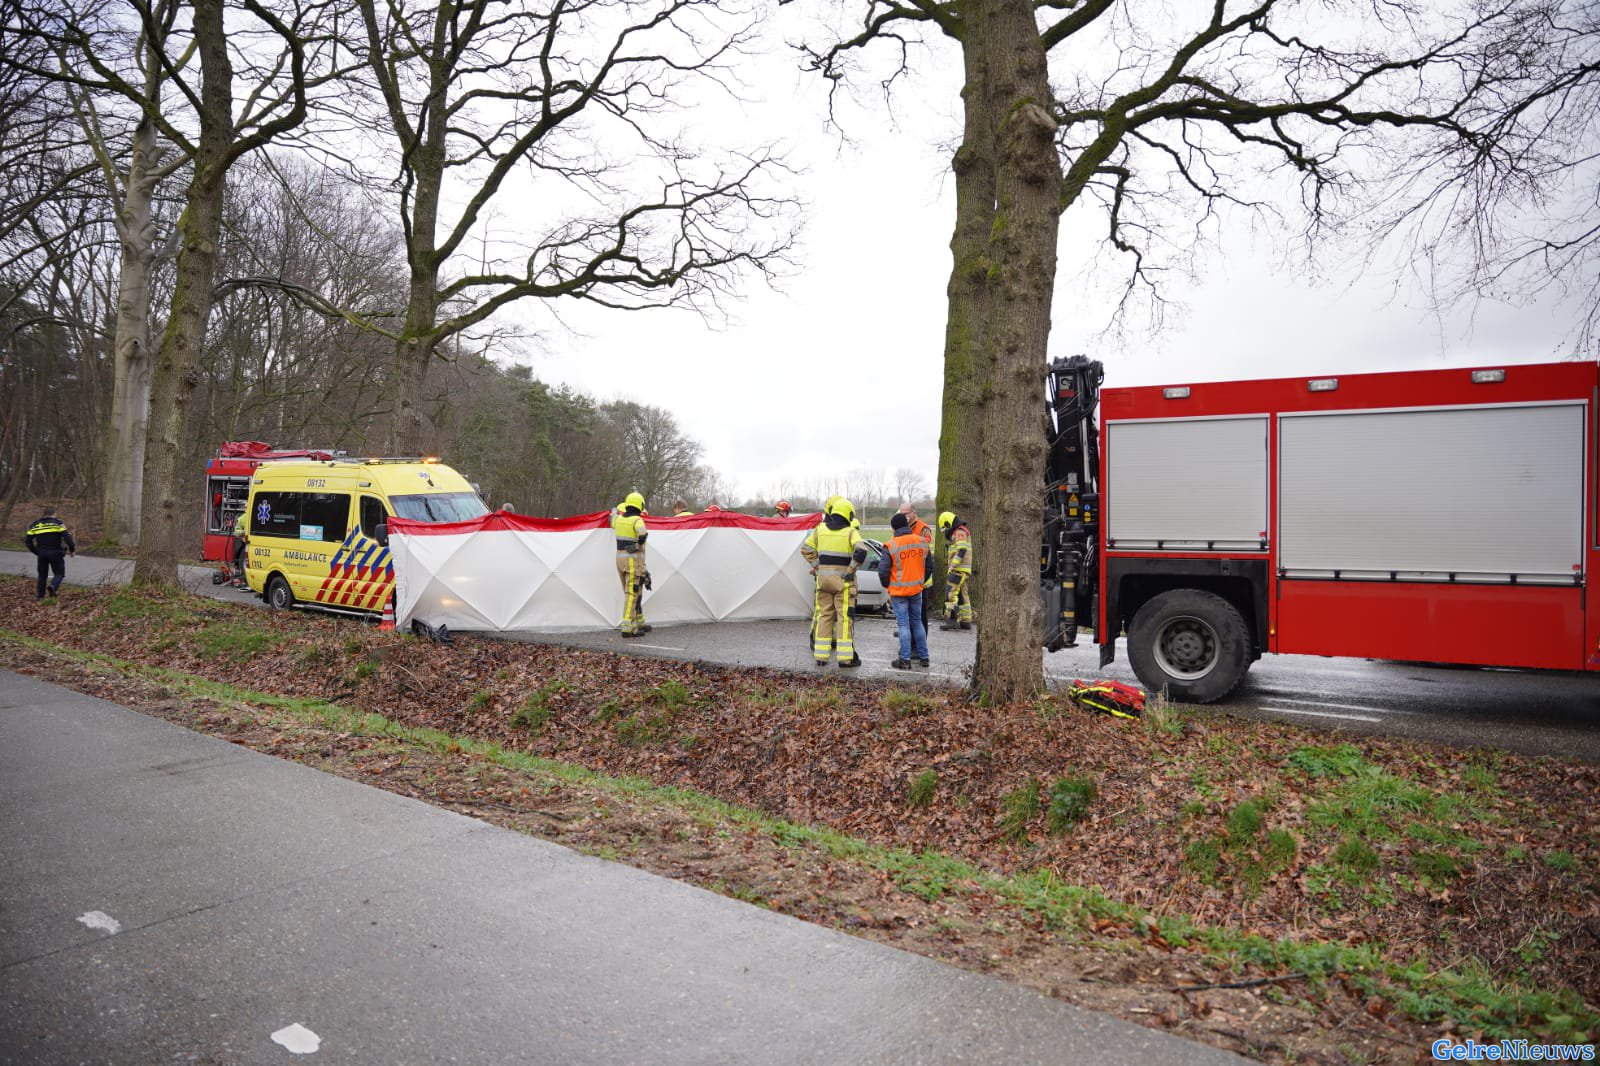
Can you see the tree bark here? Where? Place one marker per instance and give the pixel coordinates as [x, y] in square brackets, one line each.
[960, 430]
[167, 505]
[130, 397]
[1022, 266]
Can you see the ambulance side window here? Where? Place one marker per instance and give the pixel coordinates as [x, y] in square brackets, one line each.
[325, 516]
[275, 514]
[372, 516]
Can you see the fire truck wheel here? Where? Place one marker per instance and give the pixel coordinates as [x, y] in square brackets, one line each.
[278, 596]
[1191, 643]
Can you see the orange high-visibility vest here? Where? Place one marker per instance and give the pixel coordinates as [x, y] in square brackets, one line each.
[909, 566]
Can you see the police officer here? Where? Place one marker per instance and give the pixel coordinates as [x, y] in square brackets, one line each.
[835, 551]
[52, 542]
[628, 525]
[958, 563]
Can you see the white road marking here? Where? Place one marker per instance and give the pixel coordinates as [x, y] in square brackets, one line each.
[1323, 714]
[1337, 706]
[298, 1039]
[102, 921]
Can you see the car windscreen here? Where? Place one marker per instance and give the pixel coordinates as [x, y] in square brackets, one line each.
[439, 506]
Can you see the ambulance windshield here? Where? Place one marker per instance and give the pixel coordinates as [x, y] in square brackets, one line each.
[439, 506]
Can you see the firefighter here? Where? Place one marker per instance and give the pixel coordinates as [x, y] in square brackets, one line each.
[630, 531]
[958, 563]
[51, 541]
[835, 552]
[783, 509]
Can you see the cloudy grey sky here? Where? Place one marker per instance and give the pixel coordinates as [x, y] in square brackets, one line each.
[842, 368]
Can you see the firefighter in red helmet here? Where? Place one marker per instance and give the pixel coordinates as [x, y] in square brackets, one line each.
[783, 508]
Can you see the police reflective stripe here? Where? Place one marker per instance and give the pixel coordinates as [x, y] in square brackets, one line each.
[39, 528]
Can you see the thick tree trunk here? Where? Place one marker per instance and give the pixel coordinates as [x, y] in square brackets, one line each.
[130, 396]
[1022, 268]
[168, 492]
[410, 430]
[960, 429]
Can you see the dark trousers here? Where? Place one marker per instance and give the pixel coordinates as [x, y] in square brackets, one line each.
[51, 562]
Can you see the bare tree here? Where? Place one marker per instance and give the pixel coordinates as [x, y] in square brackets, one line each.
[909, 484]
[1148, 108]
[487, 102]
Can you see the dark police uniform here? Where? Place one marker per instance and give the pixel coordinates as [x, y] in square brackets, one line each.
[51, 541]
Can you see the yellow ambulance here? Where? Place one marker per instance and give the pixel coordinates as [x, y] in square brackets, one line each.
[318, 529]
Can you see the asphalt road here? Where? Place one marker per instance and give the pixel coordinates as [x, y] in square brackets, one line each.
[1531, 712]
[166, 896]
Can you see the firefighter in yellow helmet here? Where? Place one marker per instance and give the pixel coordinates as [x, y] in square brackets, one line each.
[835, 551]
[958, 564]
[628, 525]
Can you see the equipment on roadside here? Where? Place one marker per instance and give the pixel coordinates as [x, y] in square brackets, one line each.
[1110, 698]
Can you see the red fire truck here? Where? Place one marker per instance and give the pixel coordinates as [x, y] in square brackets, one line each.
[1438, 515]
[228, 490]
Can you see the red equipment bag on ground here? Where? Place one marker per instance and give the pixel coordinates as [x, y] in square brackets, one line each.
[1108, 697]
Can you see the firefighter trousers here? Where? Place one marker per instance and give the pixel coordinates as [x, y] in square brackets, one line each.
[830, 626]
[958, 599]
[630, 571]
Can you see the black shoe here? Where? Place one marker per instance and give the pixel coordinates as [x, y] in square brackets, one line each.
[901, 664]
[645, 629]
[923, 663]
[821, 663]
[628, 633]
[966, 625]
[947, 626]
[853, 663]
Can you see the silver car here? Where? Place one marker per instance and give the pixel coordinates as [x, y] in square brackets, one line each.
[870, 595]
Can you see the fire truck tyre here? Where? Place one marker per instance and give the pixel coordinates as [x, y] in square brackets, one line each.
[1192, 643]
[278, 597]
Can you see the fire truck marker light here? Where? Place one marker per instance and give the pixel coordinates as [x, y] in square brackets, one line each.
[1181, 392]
[1322, 384]
[1487, 377]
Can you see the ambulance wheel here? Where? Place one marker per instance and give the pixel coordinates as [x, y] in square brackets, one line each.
[1191, 643]
[278, 596]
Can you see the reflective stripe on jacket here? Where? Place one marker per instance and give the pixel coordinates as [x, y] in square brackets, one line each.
[49, 535]
[630, 532]
[961, 550]
[833, 549]
[908, 556]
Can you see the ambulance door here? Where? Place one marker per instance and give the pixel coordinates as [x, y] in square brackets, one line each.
[367, 572]
[324, 524]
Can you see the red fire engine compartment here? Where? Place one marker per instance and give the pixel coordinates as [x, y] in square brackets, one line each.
[227, 490]
[1439, 515]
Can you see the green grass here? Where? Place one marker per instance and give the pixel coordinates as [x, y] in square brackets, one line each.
[671, 693]
[535, 711]
[1070, 800]
[136, 605]
[1561, 860]
[235, 640]
[903, 704]
[1245, 851]
[1345, 760]
[365, 669]
[1019, 808]
[1470, 995]
[480, 700]
[923, 786]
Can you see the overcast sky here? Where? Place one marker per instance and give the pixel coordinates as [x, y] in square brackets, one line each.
[842, 368]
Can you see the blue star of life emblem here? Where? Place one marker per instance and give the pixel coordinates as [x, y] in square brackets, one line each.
[264, 512]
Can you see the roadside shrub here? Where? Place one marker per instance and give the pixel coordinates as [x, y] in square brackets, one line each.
[1070, 798]
[923, 786]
